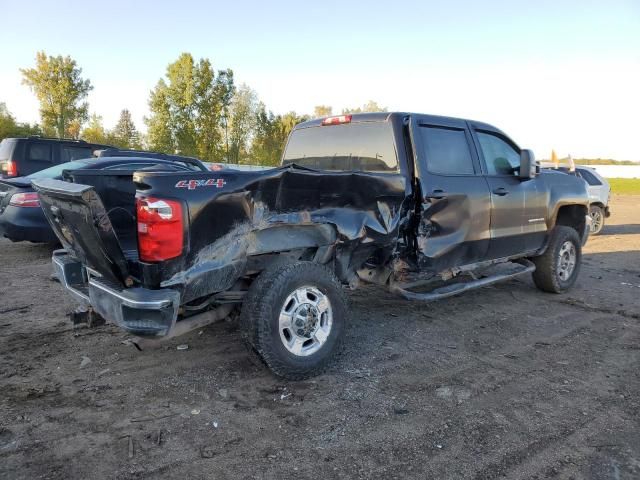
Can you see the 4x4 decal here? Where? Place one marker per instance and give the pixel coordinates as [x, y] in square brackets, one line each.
[193, 184]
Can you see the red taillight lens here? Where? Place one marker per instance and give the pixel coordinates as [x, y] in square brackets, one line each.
[9, 168]
[25, 200]
[337, 120]
[160, 229]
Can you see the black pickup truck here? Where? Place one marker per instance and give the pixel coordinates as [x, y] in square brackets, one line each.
[428, 206]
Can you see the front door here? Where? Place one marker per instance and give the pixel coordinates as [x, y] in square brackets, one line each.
[455, 202]
[518, 209]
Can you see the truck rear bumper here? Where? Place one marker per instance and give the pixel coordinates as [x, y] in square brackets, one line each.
[137, 310]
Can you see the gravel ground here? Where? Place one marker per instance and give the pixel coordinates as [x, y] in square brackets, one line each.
[503, 382]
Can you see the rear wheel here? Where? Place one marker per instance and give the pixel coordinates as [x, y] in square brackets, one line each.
[597, 219]
[293, 317]
[558, 267]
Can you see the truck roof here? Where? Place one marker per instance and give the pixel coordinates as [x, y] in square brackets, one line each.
[385, 116]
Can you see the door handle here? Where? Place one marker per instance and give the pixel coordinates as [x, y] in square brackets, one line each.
[501, 191]
[436, 194]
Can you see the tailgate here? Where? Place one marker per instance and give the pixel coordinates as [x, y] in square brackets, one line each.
[82, 225]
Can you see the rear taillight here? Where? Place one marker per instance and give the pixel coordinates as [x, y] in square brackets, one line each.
[339, 120]
[160, 229]
[9, 168]
[25, 200]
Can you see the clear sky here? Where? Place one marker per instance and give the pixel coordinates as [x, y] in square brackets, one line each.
[552, 74]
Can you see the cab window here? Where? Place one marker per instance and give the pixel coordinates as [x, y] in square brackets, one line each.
[500, 157]
[446, 150]
[361, 146]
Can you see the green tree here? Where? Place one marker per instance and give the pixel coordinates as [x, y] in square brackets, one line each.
[60, 89]
[125, 134]
[271, 132]
[322, 111]
[95, 131]
[290, 120]
[370, 106]
[10, 128]
[242, 122]
[187, 109]
[269, 138]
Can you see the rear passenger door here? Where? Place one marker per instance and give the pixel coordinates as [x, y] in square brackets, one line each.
[455, 203]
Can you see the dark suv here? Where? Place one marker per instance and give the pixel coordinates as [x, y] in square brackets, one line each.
[24, 156]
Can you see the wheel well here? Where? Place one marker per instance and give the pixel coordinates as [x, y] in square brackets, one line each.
[598, 204]
[572, 216]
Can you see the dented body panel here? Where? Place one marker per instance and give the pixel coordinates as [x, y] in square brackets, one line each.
[273, 211]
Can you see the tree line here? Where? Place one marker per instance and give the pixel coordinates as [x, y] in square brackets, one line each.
[195, 110]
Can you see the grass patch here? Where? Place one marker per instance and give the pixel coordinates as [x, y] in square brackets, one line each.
[625, 186]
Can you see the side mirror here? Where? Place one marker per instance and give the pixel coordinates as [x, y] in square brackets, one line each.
[528, 166]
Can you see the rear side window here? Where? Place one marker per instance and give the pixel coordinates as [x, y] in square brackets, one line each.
[500, 157]
[40, 152]
[6, 149]
[447, 151]
[70, 153]
[589, 177]
[366, 146]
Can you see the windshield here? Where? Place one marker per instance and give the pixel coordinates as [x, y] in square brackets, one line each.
[56, 171]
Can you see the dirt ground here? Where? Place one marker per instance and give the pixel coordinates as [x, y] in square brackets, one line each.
[503, 382]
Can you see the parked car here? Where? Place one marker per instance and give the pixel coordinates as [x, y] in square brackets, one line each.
[427, 206]
[22, 219]
[599, 194]
[20, 157]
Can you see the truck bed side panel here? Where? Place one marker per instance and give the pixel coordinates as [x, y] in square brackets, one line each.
[236, 215]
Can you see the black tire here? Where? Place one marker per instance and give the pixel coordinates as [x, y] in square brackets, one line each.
[261, 310]
[548, 274]
[597, 219]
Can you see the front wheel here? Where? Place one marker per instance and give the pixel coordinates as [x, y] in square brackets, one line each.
[558, 267]
[293, 317]
[597, 219]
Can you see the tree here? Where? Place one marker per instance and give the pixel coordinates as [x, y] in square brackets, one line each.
[322, 111]
[269, 138]
[10, 128]
[290, 120]
[60, 89]
[370, 106]
[125, 134]
[188, 109]
[73, 129]
[95, 132]
[271, 134]
[242, 121]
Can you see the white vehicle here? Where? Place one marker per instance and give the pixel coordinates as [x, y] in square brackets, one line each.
[599, 193]
[597, 186]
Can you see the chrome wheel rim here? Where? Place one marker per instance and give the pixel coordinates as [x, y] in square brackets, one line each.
[596, 220]
[566, 260]
[305, 321]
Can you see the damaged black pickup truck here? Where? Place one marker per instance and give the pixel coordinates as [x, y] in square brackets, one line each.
[427, 206]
